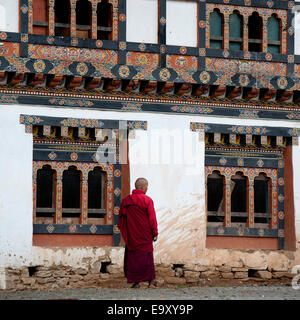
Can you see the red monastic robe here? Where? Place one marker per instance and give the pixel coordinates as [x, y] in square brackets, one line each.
[138, 226]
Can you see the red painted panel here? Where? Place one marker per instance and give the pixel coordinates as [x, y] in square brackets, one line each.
[72, 240]
[241, 243]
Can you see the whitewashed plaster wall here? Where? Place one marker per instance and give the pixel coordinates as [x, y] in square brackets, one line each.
[142, 21]
[177, 189]
[9, 9]
[297, 32]
[182, 25]
[296, 177]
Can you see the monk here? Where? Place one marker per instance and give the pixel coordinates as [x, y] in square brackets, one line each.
[138, 225]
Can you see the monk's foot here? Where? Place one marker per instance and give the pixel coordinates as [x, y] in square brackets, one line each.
[136, 285]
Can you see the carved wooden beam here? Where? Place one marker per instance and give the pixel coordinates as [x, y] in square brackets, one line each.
[73, 82]
[182, 88]
[165, 87]
[296, 97]
[148, 86]
[110, 84]
[53, 80]
[199, 90]
[285, 96]
[234, 92]
[129, 85]
[15, 78]
[3, 77]
[35, 79]
[92, 83]
[250, 93]
[218, 91]
[267, 94]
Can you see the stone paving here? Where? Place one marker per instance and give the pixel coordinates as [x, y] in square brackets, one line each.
[247, 292]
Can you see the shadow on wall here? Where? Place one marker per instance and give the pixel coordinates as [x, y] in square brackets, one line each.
[182, 231]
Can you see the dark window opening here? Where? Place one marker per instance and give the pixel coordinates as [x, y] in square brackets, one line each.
[45, 192]
[235, 31]
[216, 23]
[83, 19]
[239, 199]
[96, 193]
[215, 197]
[104, 20]
[71, 192]
[62, 18]
[261, 199]
[255, 29]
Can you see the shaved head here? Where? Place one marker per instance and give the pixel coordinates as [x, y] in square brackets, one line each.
[141, 184]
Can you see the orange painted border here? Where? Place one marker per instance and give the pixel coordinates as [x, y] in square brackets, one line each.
[72, 240]
[241, 243]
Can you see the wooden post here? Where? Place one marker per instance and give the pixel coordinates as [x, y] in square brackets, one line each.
[51, 25]
[58, 197]
[245, 34]
[94, 19]
[227, 220]
[226, 31]
[274, 208]
[250, 193]
[265, 35]
[34, 182]
[84, 199]
[73, 19]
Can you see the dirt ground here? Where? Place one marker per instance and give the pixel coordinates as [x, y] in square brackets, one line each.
[208, 290]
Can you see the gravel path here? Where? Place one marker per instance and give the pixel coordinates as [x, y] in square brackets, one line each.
[249, 292]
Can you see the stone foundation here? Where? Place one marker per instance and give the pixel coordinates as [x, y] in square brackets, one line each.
[53, 268]
[47, 278]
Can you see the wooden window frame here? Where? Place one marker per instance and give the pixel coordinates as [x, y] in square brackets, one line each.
[52, 26]
[227, 213]
[58, 209]
[217, 38]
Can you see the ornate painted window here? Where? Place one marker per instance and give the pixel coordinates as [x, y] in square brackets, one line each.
[255, 32]
[77, 179]
[274, 41]
[45, 194]
[262, 199]
[245, 182]
[104, 20]
[83, 19]
[235, 31]
[76, 18]
[216, 22]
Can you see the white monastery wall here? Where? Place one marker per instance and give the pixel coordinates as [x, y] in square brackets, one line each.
[177, 188]
[182, 29]
[297, 32]
[296, 173]
[8, 9]
[142, 21]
